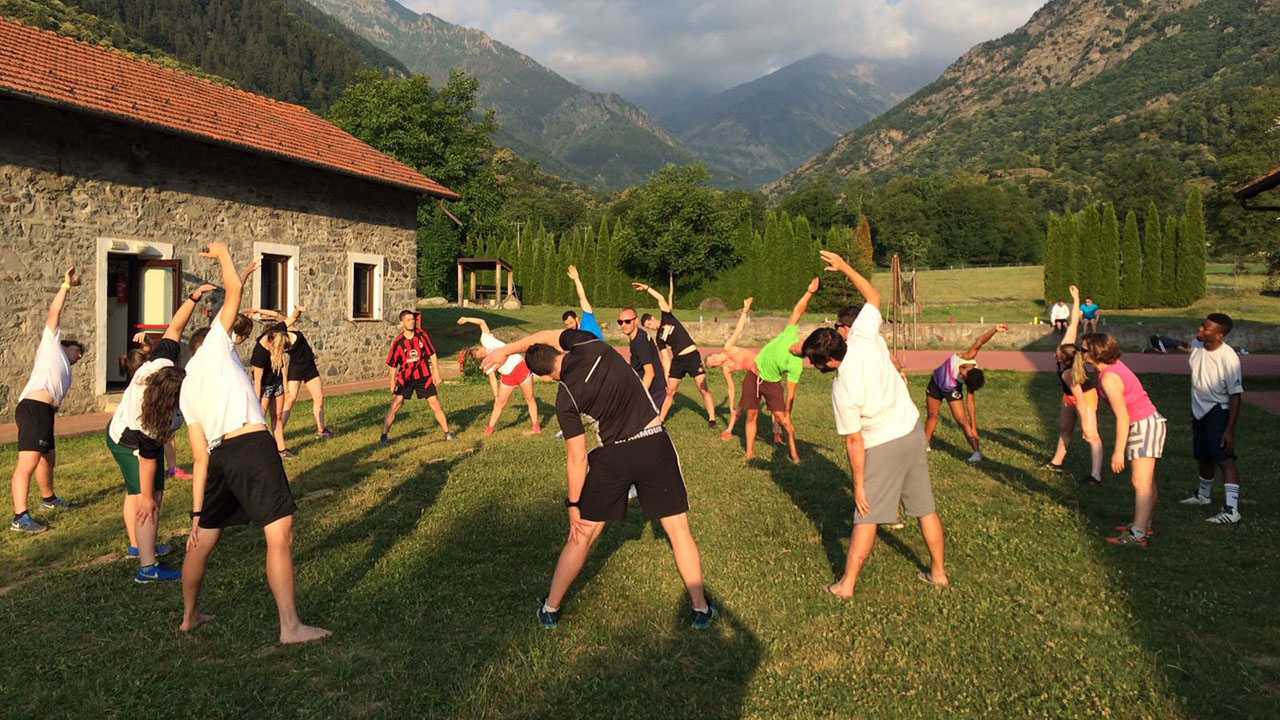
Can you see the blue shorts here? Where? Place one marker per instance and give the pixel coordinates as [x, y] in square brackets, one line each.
[1206, 437]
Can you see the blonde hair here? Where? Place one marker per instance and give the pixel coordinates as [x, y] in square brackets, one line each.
[278, 344]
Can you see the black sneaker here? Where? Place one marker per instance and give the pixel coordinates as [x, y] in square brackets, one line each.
[712, 424]
[383, 440]
[548, 619]
[1090, 480]
[1050, 466]
[702, 619]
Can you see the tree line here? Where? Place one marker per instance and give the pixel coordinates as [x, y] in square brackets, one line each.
[1157, 265]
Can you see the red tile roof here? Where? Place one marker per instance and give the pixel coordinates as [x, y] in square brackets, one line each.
[53, 69]
[1259, 186]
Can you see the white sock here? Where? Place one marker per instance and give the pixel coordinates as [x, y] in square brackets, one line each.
[702, 609]
[548, 608]
[1137, 532]
[1206, 487]
[1233, 495]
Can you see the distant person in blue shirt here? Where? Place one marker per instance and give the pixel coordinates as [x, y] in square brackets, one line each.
[570, 318]
[1089, 315]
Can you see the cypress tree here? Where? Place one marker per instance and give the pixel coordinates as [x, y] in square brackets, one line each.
[614, 274]
[769, 272]
[1169, 258]
[1109, 258]
[599, 268]
[862, 259]
[1192, 251]
[1052, 260]
[1070, 250]
[1131, 267]
[1152, 258]
[548, 270]
[1090, 253]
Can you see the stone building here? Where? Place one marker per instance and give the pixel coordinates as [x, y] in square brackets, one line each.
[126, 169]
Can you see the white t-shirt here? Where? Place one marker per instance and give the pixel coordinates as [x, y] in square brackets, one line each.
[217, 394]
[128, 414]
[868, 395]
[1060, 311]
[492, 343]
[1215, 376]
[52, 370]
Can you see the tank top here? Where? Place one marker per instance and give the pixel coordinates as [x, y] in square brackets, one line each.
[1136, 401]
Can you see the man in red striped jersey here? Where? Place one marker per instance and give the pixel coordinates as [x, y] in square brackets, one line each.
[413, 371]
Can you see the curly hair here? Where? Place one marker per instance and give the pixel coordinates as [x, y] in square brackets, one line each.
[159, 401]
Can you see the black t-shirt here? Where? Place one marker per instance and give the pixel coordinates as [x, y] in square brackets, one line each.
[1064, 371]
[644, 352]
[261, 358]
[300, 353]
[672, 334]
[597, 384]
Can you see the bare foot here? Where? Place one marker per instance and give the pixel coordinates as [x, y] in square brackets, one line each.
[795, 460]
[196, 620]
[835, 589]
[933, 578]
[303, 633]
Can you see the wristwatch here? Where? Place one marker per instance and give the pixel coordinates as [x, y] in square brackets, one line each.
[572, 503]
[194, 514]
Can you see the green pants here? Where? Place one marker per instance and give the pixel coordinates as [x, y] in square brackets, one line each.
[128, 460]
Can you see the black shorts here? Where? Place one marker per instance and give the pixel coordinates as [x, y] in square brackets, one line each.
[649, 463]
[246, 483]
[35, 426]
[303, 372]
[932, 390]
[687, 365]
[423, 388]
[1206, 437]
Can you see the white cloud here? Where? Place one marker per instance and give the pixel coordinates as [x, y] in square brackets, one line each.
[628, 46]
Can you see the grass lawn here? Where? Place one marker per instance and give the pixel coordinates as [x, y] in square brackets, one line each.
[426, 559]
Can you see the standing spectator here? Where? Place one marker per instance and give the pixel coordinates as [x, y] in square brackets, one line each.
[1217, 387]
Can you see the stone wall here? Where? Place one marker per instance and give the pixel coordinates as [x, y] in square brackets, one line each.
[69, 180]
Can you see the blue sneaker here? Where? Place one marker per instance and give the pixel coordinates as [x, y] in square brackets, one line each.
[57, 503]
[155, 573]
[549, 620]
[161, 550]
[702, 619]
[25, 524]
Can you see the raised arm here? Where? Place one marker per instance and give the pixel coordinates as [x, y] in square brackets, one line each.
[577, 285]
[742, 324]
[496, 358]
[231, 284]
[183, 313]
[247, 271]
[1073, 325]
[69, 280]
[835, 263]
[293, 317]
[484, 327]
[972, 352]
[803, 304]
[663, 304]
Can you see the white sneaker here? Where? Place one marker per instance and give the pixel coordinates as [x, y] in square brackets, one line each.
[976, 457]
[928, 448]
[631, 494]
[1196, 499]
[1228, 516]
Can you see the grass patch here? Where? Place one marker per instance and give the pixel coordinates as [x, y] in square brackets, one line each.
[426, 558]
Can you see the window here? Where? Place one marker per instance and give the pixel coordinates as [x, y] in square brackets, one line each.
[275, 283]
[364, 284]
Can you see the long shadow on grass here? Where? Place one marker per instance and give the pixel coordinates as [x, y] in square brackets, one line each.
[1003, 473]
[1202, 597]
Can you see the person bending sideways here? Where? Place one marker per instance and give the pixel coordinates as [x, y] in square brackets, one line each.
[514, 373]
[413, 371]
[778, 359]
[142, 425]
[268, 358]
[1078, 400]
[570, 318]
[681, 353]
[1140, 430]
[949, 382]
[883, 437]
[595, 382]
[239, 476]
[645, 361]
[1217, 387]
[731, 359]
[37, 405]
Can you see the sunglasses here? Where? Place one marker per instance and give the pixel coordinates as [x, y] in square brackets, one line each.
[624, 321]
[840, 325]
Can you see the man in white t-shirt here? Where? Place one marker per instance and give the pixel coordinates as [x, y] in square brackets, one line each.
[513, 373]
[1217, 387]
[883, 436]
[239, 477]
[1060, 315]
[37, 405]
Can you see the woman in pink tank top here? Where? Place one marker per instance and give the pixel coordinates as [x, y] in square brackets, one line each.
[1140, 430]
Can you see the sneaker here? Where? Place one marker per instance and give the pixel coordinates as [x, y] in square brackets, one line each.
[488, 431]
[928, 448]
[450, 436]
[156, 573]
[1226, 516]
[1050, 465]
[383, 440]
[325, 434]
[777, 438]
[560, 435]
[548, 619]
[894, 526]
[1196, 499]
[1090, 480]
[702, 619]
[1128, 538]
[161, 550]
[537, 429]
[178, 473]
[25, 524]
[287, 455]
[1129, 528]
[57, 503]
[712, 424]
[976, 457]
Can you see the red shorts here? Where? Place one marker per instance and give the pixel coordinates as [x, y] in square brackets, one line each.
[1090, 399]
[517, 376]
[753, 389]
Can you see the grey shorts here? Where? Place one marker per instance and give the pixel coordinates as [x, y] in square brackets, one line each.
[897, 472]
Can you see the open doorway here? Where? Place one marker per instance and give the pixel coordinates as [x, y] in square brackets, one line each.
[140, 295]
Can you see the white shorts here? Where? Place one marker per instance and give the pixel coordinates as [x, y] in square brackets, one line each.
[1146, 438]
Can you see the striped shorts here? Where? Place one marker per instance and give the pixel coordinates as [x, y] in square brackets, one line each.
[1146, 438]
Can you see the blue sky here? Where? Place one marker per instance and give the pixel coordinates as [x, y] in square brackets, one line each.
[639, 46]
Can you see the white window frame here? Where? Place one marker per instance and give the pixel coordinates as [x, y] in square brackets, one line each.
[378, 262]
[266, 248]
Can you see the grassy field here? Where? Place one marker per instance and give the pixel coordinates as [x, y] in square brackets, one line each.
[426, 559]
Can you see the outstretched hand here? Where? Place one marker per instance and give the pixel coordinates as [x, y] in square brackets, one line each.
[462, 320]
[214, 250]
[71, 277]
[1075, 293]
[573, 272]
[1002, 328]
[640, 286]
[834, 262]
[205, 288]
[746, 304]
[813, 286]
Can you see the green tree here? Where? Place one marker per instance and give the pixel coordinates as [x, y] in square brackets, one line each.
[861, 258]
[1071, 250]
[1169, 260]
[1152, 258]
[1131, 264]
[1090, 264]
[1053, 284]
[1192, 251]
[1109, 258]
[816, 201]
